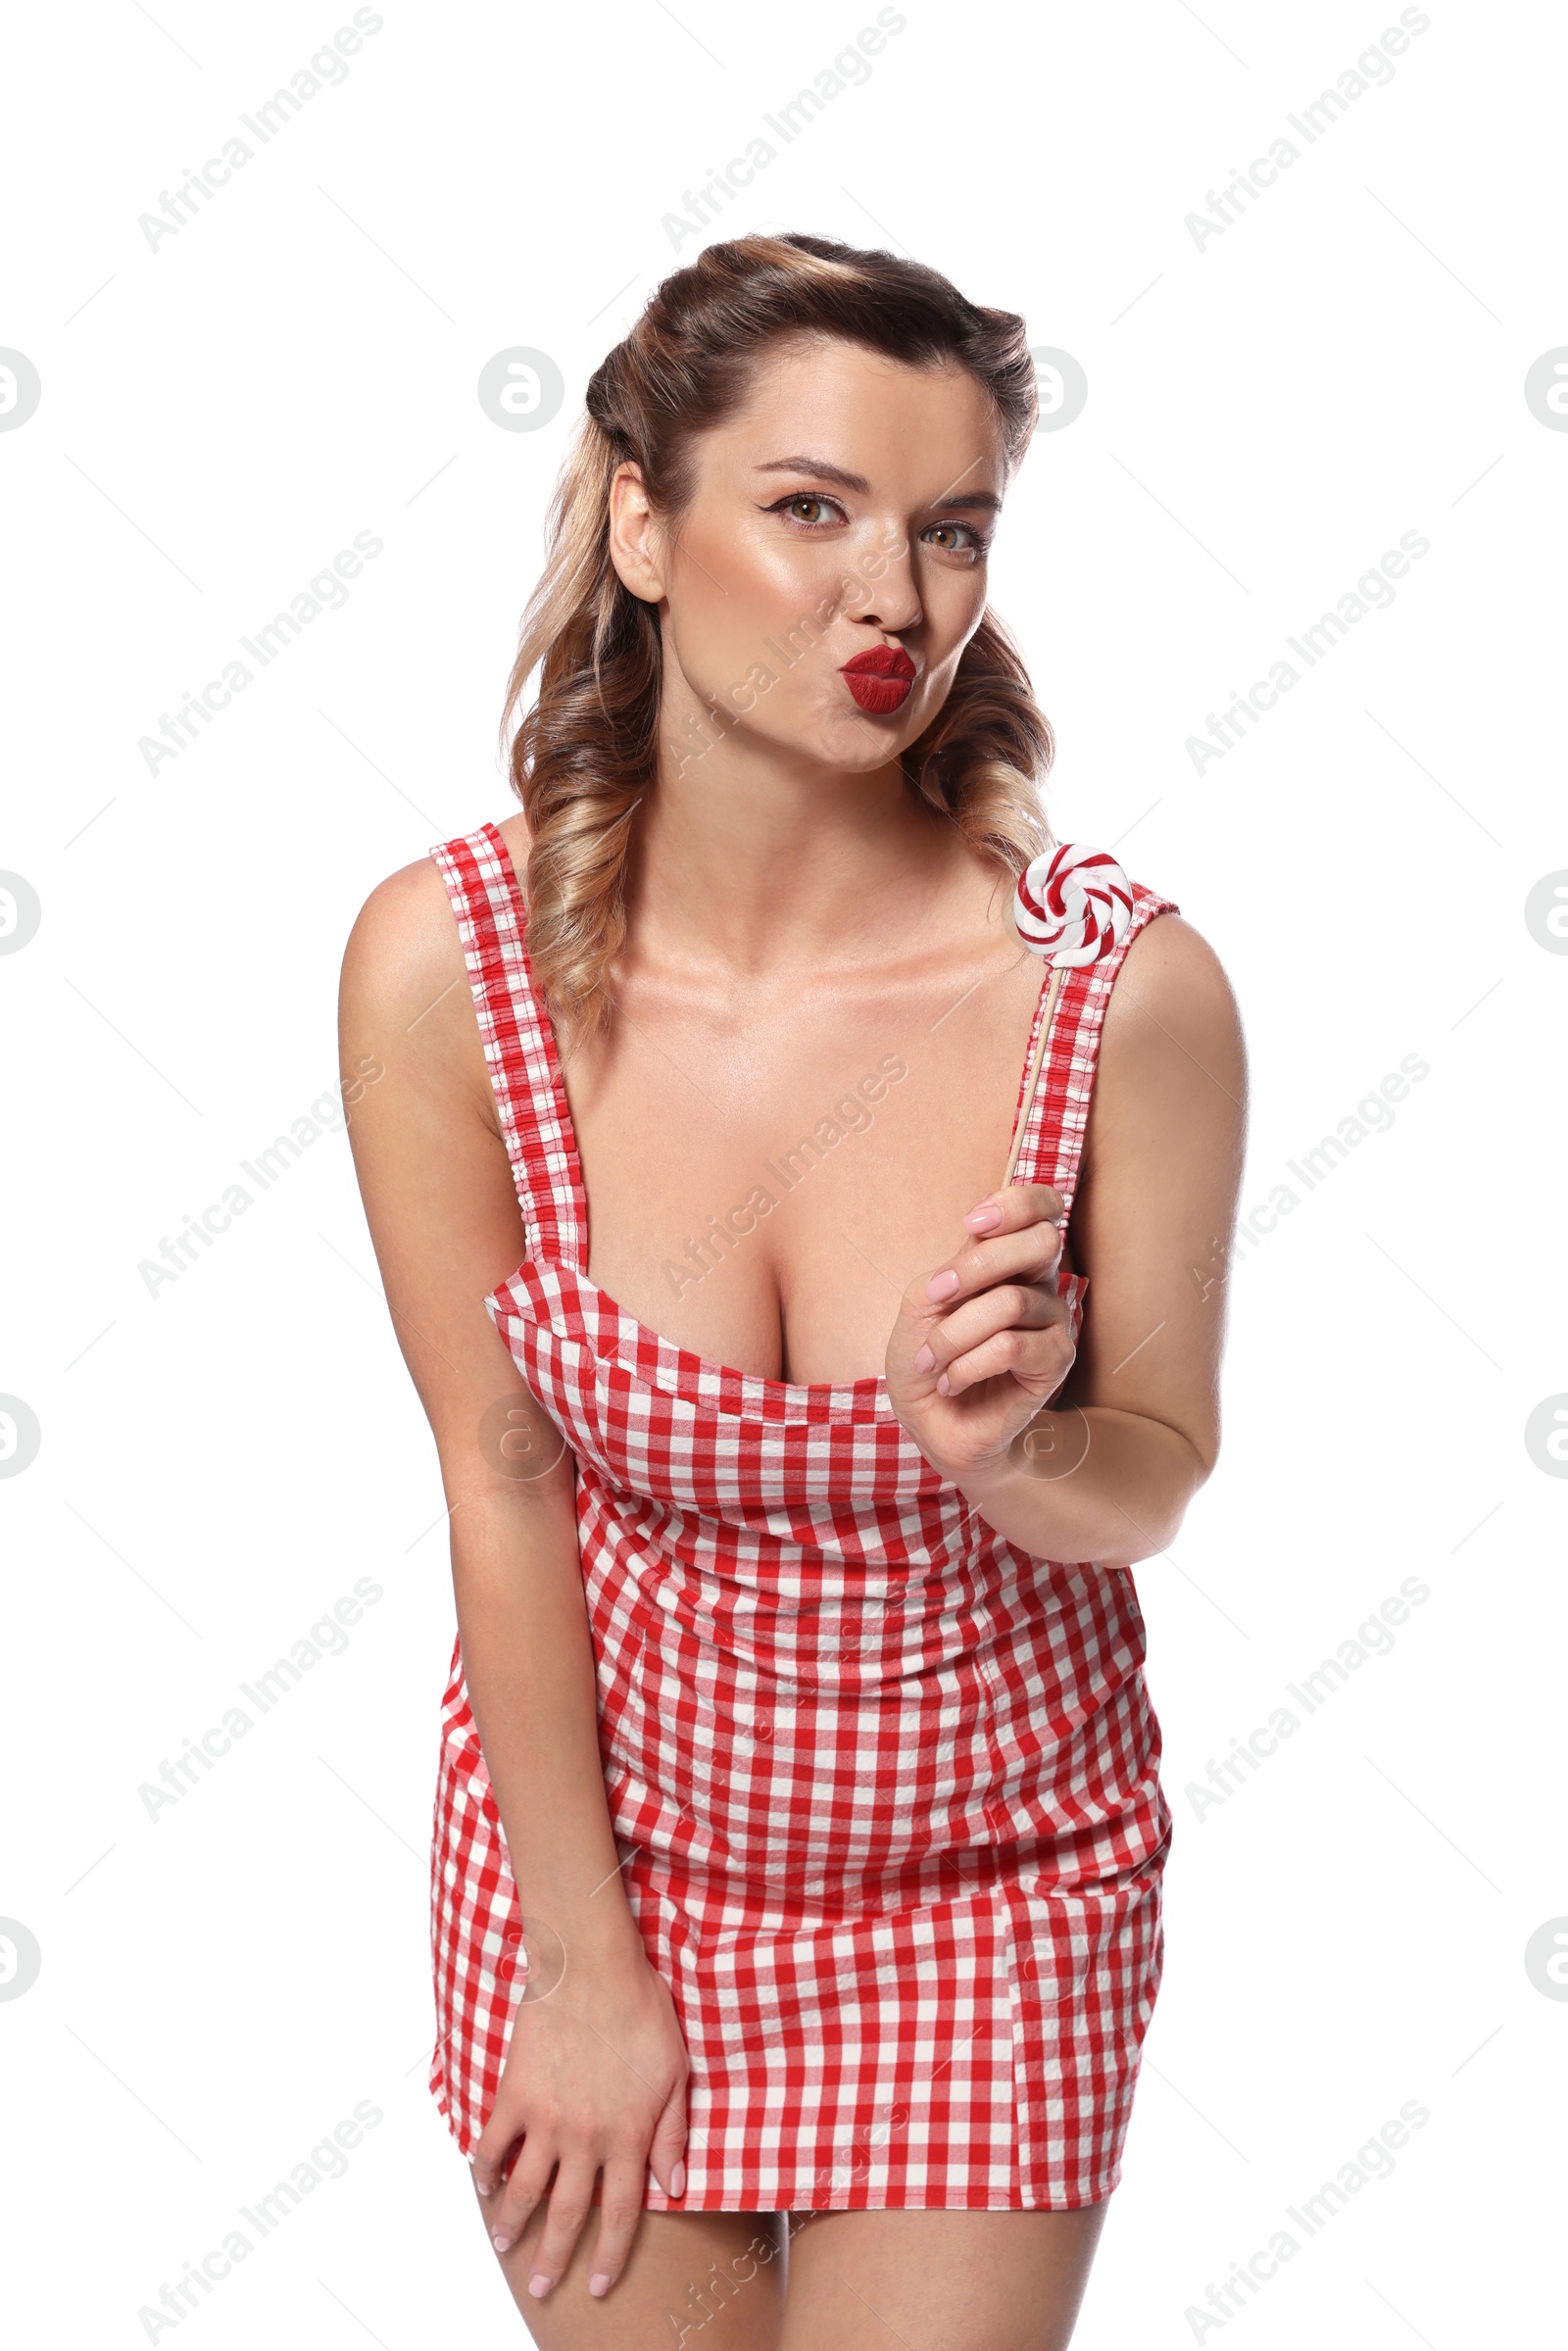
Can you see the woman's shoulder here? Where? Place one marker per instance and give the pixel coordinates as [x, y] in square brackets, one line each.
[517, 835]
[405, 1002]
[1170, 952]
[1172, 997]
[404, 938]
[404, 949]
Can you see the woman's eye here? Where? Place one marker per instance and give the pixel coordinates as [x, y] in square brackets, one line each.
[811, 510]
[960, 538]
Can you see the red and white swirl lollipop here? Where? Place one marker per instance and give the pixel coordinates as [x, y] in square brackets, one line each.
[1071, 907]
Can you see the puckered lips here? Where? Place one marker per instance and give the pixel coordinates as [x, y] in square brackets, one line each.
[880, 679]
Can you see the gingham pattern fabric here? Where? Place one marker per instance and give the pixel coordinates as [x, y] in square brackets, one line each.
[887, 1786]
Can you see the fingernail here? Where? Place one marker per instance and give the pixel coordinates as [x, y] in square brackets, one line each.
[501, 2243]
[943, 1388]
[924, 1360]
[981, 1220]
[539, 2286]
[942, 1285]
[599, 2284]
[677, 2180]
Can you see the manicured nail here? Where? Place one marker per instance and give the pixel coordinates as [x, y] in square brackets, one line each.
[599, 2283]
[539, 2286]
[501, 2243]
[924, 1360]
[942, 1285]
[677, 2180]
[981, 1220]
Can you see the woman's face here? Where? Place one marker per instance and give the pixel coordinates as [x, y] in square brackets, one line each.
[843, 512]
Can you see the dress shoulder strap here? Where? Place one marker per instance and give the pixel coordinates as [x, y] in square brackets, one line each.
[1052, 1146]
[519, 1047]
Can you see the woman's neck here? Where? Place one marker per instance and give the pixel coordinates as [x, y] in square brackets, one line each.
[749, 862]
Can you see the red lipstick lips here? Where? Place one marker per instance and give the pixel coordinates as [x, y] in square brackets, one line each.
[880, 679]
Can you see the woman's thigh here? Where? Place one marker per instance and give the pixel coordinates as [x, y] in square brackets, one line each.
[939, 2281]
[707, 2280]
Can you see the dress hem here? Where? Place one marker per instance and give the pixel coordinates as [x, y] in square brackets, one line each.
[718, 2200]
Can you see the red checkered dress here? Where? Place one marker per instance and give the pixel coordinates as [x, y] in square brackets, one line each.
[886, 1786]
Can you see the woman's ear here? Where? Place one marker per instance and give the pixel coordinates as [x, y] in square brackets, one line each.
[634, 535]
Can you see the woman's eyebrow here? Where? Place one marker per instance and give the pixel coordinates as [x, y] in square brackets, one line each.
[821, 470]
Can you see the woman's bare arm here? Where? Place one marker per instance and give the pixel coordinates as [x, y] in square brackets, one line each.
[446, 1225]
[1108, 1472]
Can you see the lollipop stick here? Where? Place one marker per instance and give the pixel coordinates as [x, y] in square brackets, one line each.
[1037, 1063]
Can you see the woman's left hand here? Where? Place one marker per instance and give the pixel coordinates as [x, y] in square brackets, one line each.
[981, 1344]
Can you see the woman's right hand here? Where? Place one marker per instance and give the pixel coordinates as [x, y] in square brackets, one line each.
[594, 2082]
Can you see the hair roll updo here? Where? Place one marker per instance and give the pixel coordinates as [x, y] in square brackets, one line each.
[585, 752]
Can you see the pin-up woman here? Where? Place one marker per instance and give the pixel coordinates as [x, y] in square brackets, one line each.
[799, 1831]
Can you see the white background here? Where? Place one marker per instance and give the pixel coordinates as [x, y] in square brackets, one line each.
[1266, 415]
